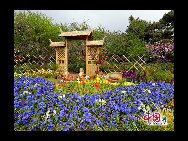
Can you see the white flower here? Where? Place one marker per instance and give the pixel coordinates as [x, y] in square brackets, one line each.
[36, 85]
[100, 101]
[26, 92]
[78, 80]
[147, 108]
[60, 97]
[54, 112]
[61, 81]
[153, 84]
[149, 91]
[47, 114]
[103, 101]
[87, 77]
[146, 90]
[124, 92]
[139, 108]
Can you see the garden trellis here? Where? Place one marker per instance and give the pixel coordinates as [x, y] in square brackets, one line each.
[62, 50]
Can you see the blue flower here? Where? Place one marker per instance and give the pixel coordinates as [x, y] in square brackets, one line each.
[70, 116]
[82, 128]
[34, 128]
[85, 109]
[42, 124]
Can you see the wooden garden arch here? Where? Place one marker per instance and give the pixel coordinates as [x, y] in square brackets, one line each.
[62, 50]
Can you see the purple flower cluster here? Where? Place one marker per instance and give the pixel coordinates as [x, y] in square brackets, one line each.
[135, 76]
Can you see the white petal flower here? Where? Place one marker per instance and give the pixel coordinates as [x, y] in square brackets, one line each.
[87, 77]
[54, 112]
[147, 108]
[60, 97]
[139, 108]
[124, 92]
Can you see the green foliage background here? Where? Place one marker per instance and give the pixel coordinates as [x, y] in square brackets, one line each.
[32, 31]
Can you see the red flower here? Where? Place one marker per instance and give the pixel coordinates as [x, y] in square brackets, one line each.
[109, 80]
[63, 85]
[115, 78]
[73, 77]
[83, 81]
[113, 81]
[97, 86]
[67, 79]
[59, 76]
[170, 80]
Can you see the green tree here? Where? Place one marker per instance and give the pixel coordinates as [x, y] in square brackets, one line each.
[161, 30]
[135, 46]
[137, 26]
[155, 31]
[32, 32]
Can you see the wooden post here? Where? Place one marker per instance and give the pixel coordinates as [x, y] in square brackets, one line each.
[98, 58]
[56, 57]
[86, 56]
[66, 55]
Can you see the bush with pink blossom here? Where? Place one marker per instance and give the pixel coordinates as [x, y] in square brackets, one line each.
[161, 52]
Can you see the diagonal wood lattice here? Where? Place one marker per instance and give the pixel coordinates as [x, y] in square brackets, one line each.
[124, 63]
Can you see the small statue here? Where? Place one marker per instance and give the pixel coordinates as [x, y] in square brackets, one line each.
[81, 73]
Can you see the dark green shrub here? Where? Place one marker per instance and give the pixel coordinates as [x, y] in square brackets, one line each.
[156, 73]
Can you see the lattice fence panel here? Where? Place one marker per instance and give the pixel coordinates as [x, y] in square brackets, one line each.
[123, 63]
[33, 59]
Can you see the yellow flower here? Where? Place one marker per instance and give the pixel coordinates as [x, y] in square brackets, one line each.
[104, 80]
[128, 83]
[114, 83]
[56, 85]
[98, 79]
[86, 81]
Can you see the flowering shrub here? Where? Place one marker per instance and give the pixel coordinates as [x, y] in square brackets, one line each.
[162, 52]
[38, 107]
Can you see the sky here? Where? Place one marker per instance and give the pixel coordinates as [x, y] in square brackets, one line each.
[112, 20]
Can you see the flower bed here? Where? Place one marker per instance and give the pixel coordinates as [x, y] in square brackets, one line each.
[38, 107]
